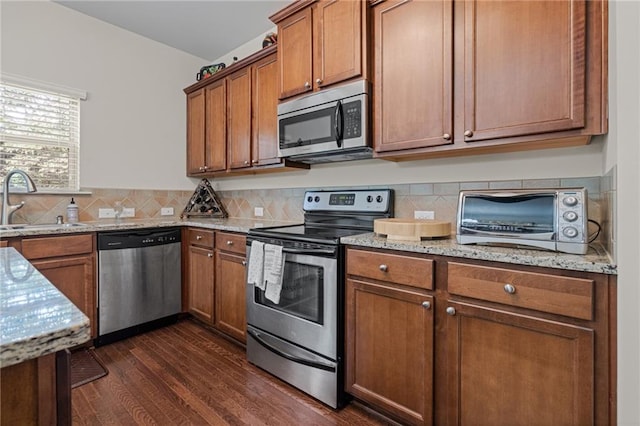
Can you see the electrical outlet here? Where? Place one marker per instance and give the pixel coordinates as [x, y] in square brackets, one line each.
[128, 212]
[106, 213]
[424, 214]
[166, 211]
[258, 211]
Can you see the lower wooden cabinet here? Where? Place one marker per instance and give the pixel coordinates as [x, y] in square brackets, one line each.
[390, 349]
[498, 344]
[230, 288]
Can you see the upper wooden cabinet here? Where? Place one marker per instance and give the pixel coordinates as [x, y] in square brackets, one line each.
[321, 43]
[529, 74]
[232, 120]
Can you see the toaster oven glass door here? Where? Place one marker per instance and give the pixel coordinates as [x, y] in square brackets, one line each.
[528, 214]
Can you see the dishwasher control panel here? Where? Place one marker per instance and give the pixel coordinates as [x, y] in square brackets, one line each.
[134, 238]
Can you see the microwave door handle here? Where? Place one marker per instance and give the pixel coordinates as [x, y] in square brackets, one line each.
[339, 124]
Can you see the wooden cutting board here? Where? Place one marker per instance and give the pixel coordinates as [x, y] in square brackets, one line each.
[411, 229]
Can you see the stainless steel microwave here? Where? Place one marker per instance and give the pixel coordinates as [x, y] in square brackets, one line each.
[331, 125]
[553, 219]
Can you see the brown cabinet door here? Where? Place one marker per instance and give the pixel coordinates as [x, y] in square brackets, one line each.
[239, 119]
[413, 73]
[264, 147]
[216, 140]
[509, 369]
[295, 54]
[338, 41]
[389, 335]
[195, 132]
[230, 295]
[74, 277]
[524, 67]
[201, 276]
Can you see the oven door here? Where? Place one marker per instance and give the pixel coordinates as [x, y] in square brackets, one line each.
[306, 314]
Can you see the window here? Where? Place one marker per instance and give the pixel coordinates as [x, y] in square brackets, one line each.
[40, 132]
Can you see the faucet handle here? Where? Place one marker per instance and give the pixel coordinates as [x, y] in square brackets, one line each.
[59, 220]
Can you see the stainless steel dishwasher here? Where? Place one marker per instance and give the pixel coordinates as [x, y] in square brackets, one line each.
[139, 281]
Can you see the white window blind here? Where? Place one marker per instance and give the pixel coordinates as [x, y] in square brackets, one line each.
[40, 134]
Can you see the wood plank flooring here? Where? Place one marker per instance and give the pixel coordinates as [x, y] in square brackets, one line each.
[186, 374]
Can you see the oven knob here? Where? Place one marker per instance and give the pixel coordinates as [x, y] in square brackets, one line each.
[309, 198]
[369, 198]
[379, 198]
[317, 199]
[570, 216]
[570, 232]
[570, 201]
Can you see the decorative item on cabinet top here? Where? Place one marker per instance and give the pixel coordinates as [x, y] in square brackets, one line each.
[209, 70]
[204, 203]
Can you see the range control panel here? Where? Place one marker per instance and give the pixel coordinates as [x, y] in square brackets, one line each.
[360, 200]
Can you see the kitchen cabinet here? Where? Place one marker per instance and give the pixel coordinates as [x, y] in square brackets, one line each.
[200, 275]
[389, 333]
[230, 285]
[530, 75]
[232, 120]
[321, 43]
[518, 344]
[68, 262]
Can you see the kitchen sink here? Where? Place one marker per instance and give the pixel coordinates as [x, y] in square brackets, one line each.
[24, 226]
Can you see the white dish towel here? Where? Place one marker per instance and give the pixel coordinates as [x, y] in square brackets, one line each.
[255, 274]
[273, 271]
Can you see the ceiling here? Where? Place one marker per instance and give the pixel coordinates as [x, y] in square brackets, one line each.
[205, 28]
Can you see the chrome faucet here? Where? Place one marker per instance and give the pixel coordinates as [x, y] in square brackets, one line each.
[7, 209]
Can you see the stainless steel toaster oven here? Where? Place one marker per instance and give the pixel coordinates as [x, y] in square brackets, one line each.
[553, 219]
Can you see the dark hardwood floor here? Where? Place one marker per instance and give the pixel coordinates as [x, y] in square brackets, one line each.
[188, 374]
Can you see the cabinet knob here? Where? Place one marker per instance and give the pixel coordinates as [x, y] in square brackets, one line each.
[307, 85]
[209, 254]
[446, 136]
[451, 311]
[318, 81]
[229, 243]
[468, 133]
[508, 288]
[246, 162]
[254, 161]
[244, 263]
[202, 168]
[198, 237]
[426, 304]
[383, 268]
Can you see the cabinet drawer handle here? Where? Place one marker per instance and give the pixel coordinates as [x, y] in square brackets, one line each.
[209, 254]
[198, 237]
[229, 243]
[307, 85]
[446, 136]
[468, 133]
[451, 311]
[383, 268]
[508, 288]
[426, 304]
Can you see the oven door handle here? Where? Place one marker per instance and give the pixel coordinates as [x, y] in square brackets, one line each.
[295, 358]
[309, 252]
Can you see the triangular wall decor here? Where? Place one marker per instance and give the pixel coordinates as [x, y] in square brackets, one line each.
[204, 203]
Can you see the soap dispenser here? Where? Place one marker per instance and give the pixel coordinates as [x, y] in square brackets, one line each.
[72, 212]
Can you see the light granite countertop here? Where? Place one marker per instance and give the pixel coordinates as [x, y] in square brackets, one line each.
[35, 318]
[596, 260]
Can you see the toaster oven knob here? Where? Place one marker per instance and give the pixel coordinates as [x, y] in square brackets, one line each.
[570, 201]
[309, 198]
[369, 198]
[570, 216]
[570, 232]
[379, 198]
[317, 199]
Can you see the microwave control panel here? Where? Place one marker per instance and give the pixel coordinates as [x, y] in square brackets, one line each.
[352, 119]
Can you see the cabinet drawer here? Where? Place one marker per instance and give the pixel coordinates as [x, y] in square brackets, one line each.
[407, 270]
[235, 243]
[38, 248]
[200, 237]
[554, 294]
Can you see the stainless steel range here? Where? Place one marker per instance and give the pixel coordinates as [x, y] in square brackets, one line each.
[300, 339]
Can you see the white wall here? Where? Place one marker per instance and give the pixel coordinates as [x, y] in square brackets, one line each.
[623, 143]
[134, 120]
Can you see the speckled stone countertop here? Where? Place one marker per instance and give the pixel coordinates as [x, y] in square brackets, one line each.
[35, 318]
[229, 224]
[596, 260]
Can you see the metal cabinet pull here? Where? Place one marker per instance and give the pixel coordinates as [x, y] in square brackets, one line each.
[383, 268]
[426, 304]
[318, 81]
[209, 254]
[446, 136]
[244, 263]
[468, 133]
[229, 243]
[451, 311]
[307, 85]
[508, 288]
[198, 237]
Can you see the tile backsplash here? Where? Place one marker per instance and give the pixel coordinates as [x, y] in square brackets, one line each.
[286, 203]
